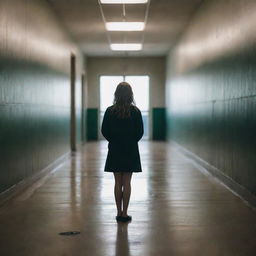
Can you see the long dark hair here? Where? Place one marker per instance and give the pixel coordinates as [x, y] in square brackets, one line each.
[123, 100]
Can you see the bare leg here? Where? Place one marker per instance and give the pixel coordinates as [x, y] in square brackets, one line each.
[126, 181]
[118, 192]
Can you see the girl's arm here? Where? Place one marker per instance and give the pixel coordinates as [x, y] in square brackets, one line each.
[139, 126]
[105, 128]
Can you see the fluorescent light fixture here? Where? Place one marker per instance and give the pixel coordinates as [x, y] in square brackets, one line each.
[126, 47]
[125, 26]
[123, 1]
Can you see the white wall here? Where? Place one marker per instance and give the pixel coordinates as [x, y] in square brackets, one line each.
[154, 67]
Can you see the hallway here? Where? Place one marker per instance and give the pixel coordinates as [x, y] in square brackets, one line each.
[176, 209]
[191, 66]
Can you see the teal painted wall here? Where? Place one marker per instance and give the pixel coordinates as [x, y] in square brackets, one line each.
[84, 125]
[159, 123]
[211, 89]
[92, 124]
[34, 89]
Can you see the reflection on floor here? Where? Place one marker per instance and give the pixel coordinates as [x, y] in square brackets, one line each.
[176, 210]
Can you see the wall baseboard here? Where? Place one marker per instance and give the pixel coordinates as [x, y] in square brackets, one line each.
[230, 184]
[33, 182]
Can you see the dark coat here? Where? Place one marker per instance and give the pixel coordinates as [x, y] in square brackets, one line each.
[123, 135]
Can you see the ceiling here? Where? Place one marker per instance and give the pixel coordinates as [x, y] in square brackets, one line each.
[166, 21]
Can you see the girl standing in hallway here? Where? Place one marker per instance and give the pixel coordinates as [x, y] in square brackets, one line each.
[122, 126]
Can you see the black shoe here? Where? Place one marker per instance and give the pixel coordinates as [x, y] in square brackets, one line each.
[119, 218]
[125, 219]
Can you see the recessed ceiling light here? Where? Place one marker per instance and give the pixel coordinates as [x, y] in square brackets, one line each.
[125, 26]
[123, 1]
[126, 47]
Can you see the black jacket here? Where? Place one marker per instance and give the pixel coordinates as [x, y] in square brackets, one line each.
[123, 135]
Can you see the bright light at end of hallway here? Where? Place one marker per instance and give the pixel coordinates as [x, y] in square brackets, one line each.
[123, 1]
[125, 26]
[126, 47]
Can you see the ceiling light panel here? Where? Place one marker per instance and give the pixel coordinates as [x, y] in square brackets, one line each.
[123, 1]
[125, 26]
[126, 47]
[133, 13]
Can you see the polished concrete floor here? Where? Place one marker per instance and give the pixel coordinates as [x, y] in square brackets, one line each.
[176, 209]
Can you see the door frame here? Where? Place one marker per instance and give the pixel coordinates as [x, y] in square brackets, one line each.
[73, 102]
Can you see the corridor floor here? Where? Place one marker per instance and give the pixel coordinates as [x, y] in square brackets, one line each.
[176, 210]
